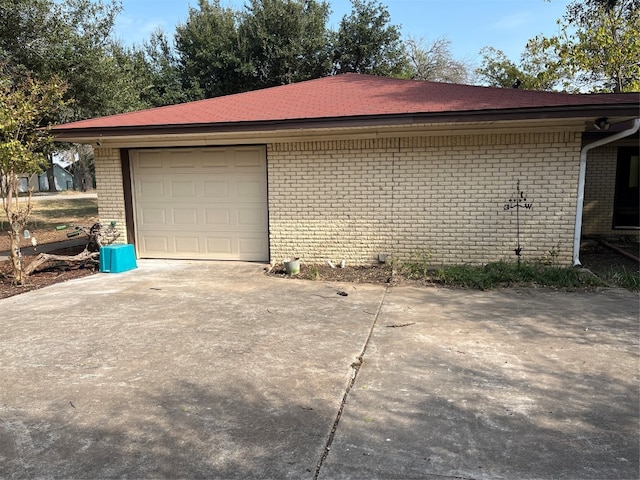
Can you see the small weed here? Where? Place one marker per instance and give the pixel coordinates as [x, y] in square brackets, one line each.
[314, 273]
[392, 264]
[623, 278]
[550, 259]
[418, 265]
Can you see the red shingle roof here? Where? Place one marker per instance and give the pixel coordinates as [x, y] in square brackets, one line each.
[349, 95]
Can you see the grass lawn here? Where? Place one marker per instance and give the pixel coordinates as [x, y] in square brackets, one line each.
[50, 212]
[48, 215]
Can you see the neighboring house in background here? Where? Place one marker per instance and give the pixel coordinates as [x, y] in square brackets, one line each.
[39, 182]
[353, 166]
[64, 180]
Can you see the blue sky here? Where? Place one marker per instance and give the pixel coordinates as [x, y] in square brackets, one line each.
[468, 24]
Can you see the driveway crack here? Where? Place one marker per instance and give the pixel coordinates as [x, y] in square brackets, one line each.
[355, 368]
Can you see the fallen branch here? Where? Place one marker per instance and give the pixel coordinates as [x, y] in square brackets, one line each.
[401, 325]
[97, 236]
[43, 258]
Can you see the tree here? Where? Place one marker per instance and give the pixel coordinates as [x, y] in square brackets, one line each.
[219, 51]
[367, 43]
[536, 71]
[24, 108]
[104, 77]
[81, 165]
[210, 54]
[434, 62]
[272, 42]
[72, 39]
[598, 49]
[600, 44]
[165, 80]
[21, 24]
[287, 41]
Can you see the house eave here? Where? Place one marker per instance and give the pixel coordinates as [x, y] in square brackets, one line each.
[396, 123]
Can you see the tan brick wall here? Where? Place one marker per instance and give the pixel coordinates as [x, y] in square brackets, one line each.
[599, 192]
[109, 189]
[353, 199]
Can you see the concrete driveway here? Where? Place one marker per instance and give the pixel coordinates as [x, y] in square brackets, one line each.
[211, 369]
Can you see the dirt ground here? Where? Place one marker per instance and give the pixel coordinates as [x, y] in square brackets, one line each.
[596, 257]
[49, 274]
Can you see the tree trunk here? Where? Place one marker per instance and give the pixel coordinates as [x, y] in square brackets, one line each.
[51, 178]
[82, 174]
[16, 259]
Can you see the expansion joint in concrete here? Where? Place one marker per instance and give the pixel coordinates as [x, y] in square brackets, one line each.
[355, 368]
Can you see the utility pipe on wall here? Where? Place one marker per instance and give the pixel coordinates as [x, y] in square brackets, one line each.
[581, 179]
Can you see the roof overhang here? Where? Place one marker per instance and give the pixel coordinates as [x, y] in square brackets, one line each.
[566, 118]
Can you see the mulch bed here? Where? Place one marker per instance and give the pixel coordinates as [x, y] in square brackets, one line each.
[600, 259]
[596, 257]
[50, 274]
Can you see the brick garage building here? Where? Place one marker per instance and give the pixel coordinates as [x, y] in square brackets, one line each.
[352, 166]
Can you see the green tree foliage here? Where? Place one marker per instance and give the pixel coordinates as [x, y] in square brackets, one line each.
[286, 40]
[598, 49]
[367, 43]
[497, 70]
[274, 42]
[600, 44]
[271, 42]
[21, 24]
[210, 56]
[536, 71]
[164, 80]
[72, 39]
[25, 107]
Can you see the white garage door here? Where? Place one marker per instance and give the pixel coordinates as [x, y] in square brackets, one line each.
[201, 203]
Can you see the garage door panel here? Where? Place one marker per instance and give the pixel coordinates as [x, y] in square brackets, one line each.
[249, 246]
[180, 159]
[187, 244]
[153, 243]
[217, 189]
[151, 187]
[251, 217]
[215, 159]
[185, 216]
[219, 246]
[201, 203]
[250, 190]
[183, 189]
[217, 217]
[153, 216]
[248, 158]
[149, 159]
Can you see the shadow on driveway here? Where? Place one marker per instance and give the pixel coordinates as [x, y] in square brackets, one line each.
[211, 369]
